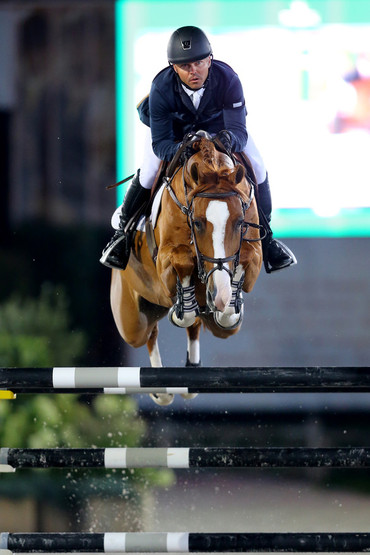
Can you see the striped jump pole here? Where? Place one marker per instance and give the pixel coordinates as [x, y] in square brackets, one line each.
[185, 457]
[122, 380]
[187, 542]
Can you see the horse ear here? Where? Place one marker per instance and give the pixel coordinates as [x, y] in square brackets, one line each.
[238, 174]
[194, 172]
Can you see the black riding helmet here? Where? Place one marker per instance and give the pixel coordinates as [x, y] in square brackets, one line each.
[188, 44]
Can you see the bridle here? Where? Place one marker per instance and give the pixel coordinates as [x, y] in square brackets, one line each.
[188, 210]
[219, 263]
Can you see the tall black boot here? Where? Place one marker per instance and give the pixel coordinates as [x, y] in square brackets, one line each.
[276, 255]
[117, 252]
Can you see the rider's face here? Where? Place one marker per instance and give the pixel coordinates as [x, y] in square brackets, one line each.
[193, 74]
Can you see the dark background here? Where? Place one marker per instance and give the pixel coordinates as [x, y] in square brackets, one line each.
[57, 149]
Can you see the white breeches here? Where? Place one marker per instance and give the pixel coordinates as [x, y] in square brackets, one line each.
[150, 162]
[255, 157]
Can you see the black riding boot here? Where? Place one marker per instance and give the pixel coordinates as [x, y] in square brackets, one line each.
[117, 252]
[276, 255]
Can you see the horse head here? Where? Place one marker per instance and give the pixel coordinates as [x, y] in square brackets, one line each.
[217, 200]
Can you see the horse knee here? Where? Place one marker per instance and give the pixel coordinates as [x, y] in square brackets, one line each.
[182, 260]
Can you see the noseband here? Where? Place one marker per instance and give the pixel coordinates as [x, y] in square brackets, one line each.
[188, 210]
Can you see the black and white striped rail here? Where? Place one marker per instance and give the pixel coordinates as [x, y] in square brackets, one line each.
[185, 457]
[121, 380]
[166, 542]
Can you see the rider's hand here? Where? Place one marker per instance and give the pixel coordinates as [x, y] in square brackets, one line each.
[187, 152]
[225, 138]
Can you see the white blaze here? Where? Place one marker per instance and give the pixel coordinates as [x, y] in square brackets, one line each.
[217, 214]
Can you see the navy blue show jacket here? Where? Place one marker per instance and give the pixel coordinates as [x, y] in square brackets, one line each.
[170, 112]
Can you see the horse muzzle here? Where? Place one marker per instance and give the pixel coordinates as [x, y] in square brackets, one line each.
[219, 292]
[227, 310]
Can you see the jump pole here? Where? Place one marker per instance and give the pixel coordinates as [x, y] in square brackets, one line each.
[186, 542]
[121, 380]
[185, 457]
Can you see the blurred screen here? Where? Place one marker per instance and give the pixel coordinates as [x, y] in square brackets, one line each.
[305, 70]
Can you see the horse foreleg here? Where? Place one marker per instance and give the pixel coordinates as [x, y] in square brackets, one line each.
[153, 349]
[162, 399]
[184, 312]
[193, 347]
[251, 260]
[175, 267]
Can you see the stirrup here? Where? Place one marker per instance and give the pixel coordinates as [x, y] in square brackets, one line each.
[291, 262]
[119, 261]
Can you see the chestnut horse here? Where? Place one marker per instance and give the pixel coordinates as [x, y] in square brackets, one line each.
[209, 250]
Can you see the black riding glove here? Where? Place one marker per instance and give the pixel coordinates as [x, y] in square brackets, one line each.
[186, 148]
[226, 138]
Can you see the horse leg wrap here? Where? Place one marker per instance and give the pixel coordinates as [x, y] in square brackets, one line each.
[237, 300]
[186, 304]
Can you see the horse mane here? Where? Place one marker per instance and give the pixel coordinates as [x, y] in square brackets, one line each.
[212, 169]
[209, 152]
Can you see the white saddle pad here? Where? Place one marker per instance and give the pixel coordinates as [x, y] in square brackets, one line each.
[141, 223]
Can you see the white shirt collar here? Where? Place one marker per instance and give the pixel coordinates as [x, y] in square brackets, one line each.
[195, 96]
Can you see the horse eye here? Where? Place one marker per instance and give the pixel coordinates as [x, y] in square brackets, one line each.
[198, 224]
[239, 223]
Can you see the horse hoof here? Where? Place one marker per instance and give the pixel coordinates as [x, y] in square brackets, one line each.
[231, 326]
[189, 396]
[162, 399]
[172, 315]
[186, 322]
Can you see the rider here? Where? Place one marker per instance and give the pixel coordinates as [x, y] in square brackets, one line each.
[194, 92]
